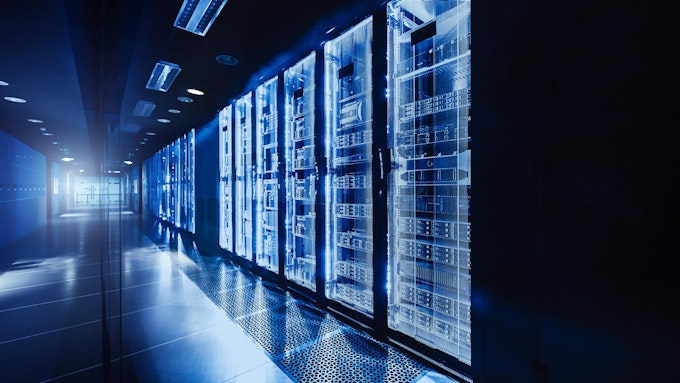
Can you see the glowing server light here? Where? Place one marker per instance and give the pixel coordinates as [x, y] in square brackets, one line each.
[143, 108]
[196, 16]
[162, 76]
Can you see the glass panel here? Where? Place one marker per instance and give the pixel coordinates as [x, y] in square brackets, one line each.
[349, 198]
[301, 173]
[226, 180]
[429, 226]
[267, 170]
[244, 176]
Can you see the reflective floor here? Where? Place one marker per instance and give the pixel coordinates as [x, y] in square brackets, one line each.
[163, 312]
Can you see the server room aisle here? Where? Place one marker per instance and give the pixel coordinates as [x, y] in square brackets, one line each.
[180, 316]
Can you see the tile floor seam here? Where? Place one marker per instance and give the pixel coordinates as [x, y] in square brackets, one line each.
[112, 274]
[80, 265]
[99, 320]
[71, 373]
[48, 302]
[50, 331]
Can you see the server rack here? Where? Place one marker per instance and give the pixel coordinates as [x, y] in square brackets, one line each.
[226, 230]
[267, 175]
[349, 196]
[171, 184]
[428, 117]
[244, 176]
[302, 178]
[187, 160]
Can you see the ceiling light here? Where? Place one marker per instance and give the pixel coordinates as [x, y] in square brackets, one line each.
[330, 30]
[146, 139]
[162, 76]
[143, 108]
[142, 142]
[226, 60]
[15, 99]
[195, 91]
[43, 129]
[185, 99]
[196, 16]
[163, 120]
[150, 133]
[137, 149]
[127, 162]
[68, 159]
[35, 121]
[82, 170]
[3, 83]
[174, 111]
[55, 142]
[47, 134]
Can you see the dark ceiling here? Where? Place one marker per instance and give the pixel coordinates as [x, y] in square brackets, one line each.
[83, 65]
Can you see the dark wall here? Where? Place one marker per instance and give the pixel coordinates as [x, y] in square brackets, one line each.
[23, 202]
[207, 185]
[574, 203]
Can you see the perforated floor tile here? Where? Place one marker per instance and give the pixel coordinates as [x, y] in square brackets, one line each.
[246, 300]
[350, 357]
[285, 328]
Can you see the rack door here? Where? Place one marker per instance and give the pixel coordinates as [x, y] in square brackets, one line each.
[244, 176]
[301, 173]
[428, 112]
[267, 172]
[349, 196]
[226, 179]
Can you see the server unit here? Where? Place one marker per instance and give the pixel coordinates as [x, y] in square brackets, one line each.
[267, 175]
[301, 172]
[243, 155]
[226, 229]
[428, 118]
[349, 196]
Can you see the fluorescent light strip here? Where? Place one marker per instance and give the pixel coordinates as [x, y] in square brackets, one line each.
[162, 76]
[143, 108]
[197, 16]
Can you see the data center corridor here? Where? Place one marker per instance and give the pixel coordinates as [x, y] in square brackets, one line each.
[172, 314]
